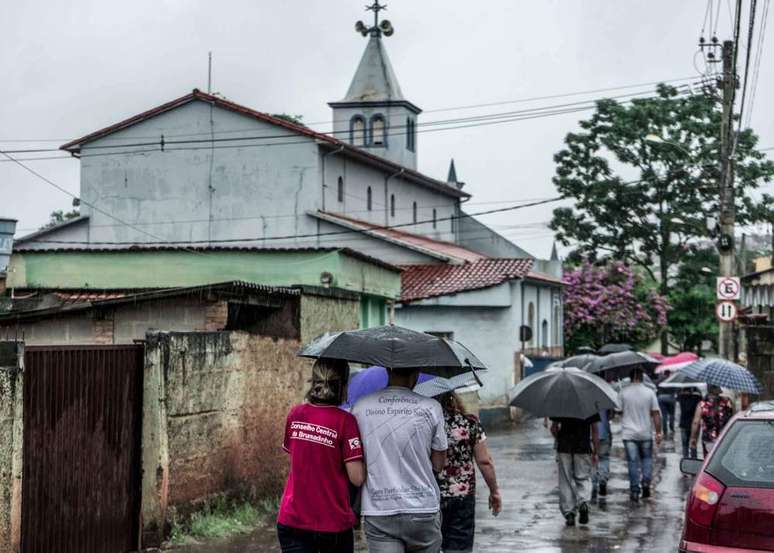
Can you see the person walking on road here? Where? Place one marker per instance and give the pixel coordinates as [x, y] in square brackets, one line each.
[641, 416]
[711, 416]
[602, 471]
[688, 398]
[467, 442]
[666, 403]
[325, 457]
[404, 441]
[577, 444]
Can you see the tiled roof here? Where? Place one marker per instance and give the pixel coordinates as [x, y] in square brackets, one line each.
[436, 248]
[322, 138]
[429, 281]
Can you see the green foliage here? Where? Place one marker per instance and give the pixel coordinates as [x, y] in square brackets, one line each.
[692, 300]
[222, 518]
[295, 119]
[60, 216]
[643, 202]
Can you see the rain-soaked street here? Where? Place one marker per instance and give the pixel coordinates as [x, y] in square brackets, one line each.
[530, 520]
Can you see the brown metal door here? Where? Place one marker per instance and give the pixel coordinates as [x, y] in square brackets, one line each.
[82, 418]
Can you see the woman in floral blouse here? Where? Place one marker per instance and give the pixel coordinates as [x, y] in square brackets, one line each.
[712, 414]
[467, 443]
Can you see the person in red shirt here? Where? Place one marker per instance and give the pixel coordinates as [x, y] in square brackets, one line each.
[326, 455]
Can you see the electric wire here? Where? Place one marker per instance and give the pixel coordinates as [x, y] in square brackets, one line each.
[748, 56]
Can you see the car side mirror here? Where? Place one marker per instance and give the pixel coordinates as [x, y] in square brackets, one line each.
[690, 467]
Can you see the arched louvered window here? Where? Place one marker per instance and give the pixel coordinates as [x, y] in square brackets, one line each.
[378, 130]
[357, 131]
[414, 211]
[369, 199]
[435, 218]
[340, 190]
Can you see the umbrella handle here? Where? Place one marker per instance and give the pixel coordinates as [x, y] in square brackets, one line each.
[475, 375]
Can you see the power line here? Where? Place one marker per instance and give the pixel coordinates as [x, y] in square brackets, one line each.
[748, 55]
[758, 57]
[438, 110]
[367, 231]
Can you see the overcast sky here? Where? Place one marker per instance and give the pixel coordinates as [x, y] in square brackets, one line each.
[72, 67]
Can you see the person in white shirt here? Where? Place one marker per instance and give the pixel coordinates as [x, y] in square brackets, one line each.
[404, 442]
[641, 415]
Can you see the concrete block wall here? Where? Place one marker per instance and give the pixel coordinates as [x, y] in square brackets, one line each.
[11, 426]
[214, 405]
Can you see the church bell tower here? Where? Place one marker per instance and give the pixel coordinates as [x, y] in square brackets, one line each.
[374, 115]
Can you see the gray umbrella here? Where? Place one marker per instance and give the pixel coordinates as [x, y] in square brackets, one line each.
[438, 385]
[564, 392]
[395, 347]
[577, 361]
[607, 349]
[620, 364]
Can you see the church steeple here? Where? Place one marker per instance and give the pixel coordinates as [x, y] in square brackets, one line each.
[452, 178]
[375, 114]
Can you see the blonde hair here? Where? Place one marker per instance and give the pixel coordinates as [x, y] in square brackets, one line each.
[329, 379]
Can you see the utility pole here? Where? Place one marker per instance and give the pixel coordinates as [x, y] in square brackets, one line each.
[726, 204]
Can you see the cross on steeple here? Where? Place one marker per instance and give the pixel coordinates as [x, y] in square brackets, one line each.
[379, 28]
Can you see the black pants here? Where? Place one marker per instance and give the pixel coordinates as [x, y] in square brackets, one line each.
[458, 523]
[293, 540]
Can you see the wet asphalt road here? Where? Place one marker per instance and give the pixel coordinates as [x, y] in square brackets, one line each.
[531, 521]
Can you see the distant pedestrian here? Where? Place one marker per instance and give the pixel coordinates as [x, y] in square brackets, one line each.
[641, 416]
[711, 416]
[602, 470]
[467, 442]
[666, 403]
[688, 398]
[577, 444]
[404, 440]
[325, 457]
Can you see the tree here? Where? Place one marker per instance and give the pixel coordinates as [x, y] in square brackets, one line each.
[60, 216]
[295, 119]
[610, 303]
[642, 201]
[692, 300]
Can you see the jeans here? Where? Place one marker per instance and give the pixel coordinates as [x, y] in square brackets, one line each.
[404, 533]
[574, 478]
[639, 457]
[666, 403]
[295, 540]
[685, 434]
[603, 466]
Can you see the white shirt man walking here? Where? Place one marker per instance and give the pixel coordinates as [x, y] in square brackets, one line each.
[641, 415]
[404, 442]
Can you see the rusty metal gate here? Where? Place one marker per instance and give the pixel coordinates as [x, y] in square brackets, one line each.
[82, 419]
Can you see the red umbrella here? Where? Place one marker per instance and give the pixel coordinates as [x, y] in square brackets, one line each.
[677, 361]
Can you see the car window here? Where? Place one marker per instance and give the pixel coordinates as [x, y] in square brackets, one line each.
[745, 457]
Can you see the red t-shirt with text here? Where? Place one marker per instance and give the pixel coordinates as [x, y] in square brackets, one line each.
[320, 440]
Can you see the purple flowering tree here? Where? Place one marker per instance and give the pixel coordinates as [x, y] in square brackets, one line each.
[610, 303]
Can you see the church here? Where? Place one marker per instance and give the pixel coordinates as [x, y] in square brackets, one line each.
[202, 171]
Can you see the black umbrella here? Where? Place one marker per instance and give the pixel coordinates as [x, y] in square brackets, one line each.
[585, 349]
[614, 348]
[577, 361]
[620, 364]
[395, 347]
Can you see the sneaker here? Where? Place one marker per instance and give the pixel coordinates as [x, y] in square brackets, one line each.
[645, 491]
[583, 513]
[634, 497]
[602, 489]
[569, 519]
[593, 494]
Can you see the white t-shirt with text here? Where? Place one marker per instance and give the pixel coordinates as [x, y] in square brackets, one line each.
[399, 428]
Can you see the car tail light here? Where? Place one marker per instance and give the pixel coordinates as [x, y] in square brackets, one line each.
[705, 497]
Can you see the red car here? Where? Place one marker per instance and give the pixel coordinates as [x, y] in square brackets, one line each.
[731, 506]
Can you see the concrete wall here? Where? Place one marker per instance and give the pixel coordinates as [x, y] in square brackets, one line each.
[480, 238]
[168, 269]
[11, 427]
[214, 418]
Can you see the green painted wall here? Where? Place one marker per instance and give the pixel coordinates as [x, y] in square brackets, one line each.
[168, 269]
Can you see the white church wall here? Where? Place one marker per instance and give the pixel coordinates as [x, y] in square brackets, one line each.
[247, 189]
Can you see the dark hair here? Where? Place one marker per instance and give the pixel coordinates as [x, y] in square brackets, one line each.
[637, 373]
[451, 403]
[329, 382]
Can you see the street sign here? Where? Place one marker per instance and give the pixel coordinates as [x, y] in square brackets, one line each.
[729, 288]
[525, 333]
[726, 311]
